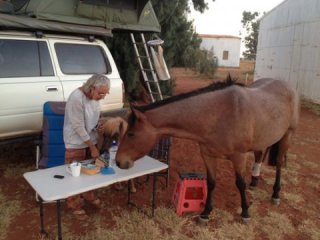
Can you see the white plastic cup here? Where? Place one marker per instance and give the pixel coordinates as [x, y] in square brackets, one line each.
[74, 169]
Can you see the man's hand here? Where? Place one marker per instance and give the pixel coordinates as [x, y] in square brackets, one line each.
[93, 149]
[94, 152]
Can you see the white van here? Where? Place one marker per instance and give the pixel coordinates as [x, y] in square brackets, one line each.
[35, 68]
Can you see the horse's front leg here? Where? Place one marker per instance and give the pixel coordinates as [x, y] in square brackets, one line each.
[239, 163]
[211, 183]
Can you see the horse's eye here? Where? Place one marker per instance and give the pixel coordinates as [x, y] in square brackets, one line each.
[130, 134]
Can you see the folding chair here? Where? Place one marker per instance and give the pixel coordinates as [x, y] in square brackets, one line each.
[50, 152]
[52, 149]
[161, 151]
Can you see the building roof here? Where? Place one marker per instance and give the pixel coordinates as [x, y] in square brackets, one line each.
[217, 36]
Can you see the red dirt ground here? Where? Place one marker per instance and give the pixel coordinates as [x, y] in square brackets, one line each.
[185, 157]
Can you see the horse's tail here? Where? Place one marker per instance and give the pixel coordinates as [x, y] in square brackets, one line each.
[273, 154]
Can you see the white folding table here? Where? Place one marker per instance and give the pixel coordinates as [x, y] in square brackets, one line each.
[53, 189]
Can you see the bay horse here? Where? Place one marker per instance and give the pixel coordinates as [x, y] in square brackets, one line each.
[228, 120]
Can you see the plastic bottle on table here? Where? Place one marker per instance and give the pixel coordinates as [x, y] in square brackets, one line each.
[113, 150]
[114, 146]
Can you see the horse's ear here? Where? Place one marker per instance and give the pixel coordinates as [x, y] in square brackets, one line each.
[134, 104]
[138, 114]
[123, 127]
[229, 78]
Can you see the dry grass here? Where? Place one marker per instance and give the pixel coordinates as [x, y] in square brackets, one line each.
[294, 199]
[293, 167]
[166, 225]
[223, 216]
[17, 170]
[259, 194]
[310, 229]
[312, 106]
[315, 184]
[309, 164]
[276, 225]
[8, 211]
[233, 231]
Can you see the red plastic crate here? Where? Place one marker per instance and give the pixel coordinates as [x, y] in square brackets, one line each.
[190, 193]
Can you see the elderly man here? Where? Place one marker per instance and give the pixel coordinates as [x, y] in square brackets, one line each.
[80, 132]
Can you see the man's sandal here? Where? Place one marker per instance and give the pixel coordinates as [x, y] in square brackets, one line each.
[96, 203]
[133, 189]
[80, 214]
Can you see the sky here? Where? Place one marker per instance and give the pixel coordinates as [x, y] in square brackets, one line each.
[224, 16]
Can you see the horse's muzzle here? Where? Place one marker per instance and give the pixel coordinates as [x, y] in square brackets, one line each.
[125, 165]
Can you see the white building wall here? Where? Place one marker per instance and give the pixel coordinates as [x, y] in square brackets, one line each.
[219, 44]
[289, 46]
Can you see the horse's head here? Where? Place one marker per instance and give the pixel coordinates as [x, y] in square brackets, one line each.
[114, 128]
[138, 141]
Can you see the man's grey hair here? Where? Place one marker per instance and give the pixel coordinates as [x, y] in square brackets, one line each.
[96, 80]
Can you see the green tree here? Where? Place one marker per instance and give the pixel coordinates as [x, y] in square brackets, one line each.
[251, 22]
[178, 35]
[200, 5]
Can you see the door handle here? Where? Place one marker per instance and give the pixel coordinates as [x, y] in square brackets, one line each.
[51, 89]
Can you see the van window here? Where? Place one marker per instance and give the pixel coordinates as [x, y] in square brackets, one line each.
[82, 59]
[23, 58]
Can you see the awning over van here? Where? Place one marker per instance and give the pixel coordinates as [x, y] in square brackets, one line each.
[8, 21]
[111, 15]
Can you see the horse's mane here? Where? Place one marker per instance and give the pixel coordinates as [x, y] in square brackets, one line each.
[211, 87]
[114, 125]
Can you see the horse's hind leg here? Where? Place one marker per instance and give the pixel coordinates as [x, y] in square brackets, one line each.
[239, 163]
[255, 173]
[280, 148]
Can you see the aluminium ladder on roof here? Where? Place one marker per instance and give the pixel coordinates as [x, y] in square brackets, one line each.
[148, 72]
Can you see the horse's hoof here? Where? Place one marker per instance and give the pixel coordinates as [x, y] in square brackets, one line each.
[251, 187]
[254, 182]
[202, 221]
[276, 201]
[245, 220]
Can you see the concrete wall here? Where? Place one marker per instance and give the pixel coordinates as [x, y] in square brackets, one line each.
[220, 43]
[289, 46]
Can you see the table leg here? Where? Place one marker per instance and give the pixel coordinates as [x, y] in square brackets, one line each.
[59, 219]
[129, 194]
[41, 216]
[154, 193]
